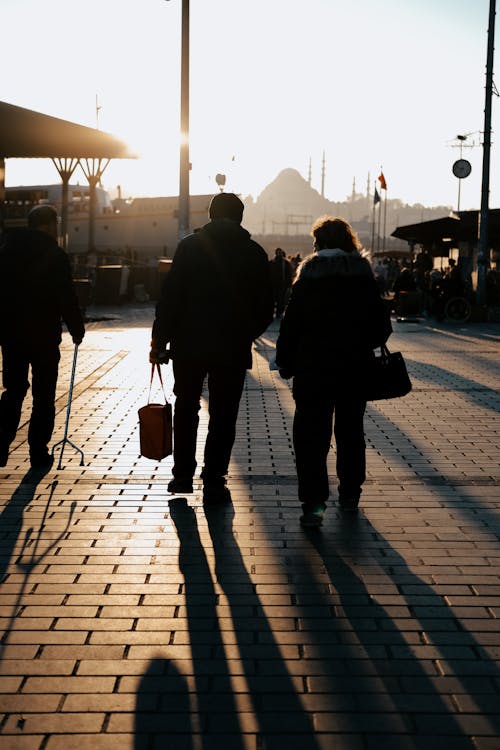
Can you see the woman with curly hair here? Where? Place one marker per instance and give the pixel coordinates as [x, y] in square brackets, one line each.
[334, 320]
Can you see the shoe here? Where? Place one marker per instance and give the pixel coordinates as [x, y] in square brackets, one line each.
[41, 460]
[312, 517]
[213, 493]
[4, 454]
[180, 486]
[349, 505]
[215, 489]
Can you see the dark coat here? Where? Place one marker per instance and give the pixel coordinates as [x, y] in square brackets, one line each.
[334, 319]
[36, 290]
[281, 273]
[216, 298]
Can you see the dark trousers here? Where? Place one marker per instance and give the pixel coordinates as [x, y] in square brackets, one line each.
[281, 295]
[16, 360]
[225, 386]
[316, 403]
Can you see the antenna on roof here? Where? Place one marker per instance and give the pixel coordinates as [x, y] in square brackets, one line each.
[323, 172]
[97, 110]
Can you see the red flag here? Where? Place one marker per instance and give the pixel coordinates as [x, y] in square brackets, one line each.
[383, 183]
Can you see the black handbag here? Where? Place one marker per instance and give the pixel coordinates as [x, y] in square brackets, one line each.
[387, 376]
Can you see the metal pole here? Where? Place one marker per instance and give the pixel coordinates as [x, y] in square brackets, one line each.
[184, 164]
[385, 219]
[482, 246]
[65, 438]
[378, 224]
[373, 229]
[2, 192]
[92, 180]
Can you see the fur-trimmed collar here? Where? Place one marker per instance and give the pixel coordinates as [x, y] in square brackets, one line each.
[334, 252]
[334, 261]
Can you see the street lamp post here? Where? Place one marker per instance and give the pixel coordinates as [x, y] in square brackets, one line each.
[184, 165]
[482, 246]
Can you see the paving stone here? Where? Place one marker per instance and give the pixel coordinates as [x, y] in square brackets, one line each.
[134, 619]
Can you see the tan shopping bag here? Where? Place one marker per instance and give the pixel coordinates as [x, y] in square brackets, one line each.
[155, 425]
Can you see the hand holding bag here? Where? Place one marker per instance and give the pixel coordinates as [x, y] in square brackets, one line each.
[387, 376]
[155, 425]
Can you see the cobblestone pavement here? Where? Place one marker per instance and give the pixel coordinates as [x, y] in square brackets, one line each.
[136, 620]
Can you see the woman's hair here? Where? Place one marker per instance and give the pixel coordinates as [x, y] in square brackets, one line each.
[329, 232]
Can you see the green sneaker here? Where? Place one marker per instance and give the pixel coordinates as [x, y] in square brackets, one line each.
[312, 517]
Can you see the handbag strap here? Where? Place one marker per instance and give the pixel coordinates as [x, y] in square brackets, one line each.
[384, 350]
[157, 368]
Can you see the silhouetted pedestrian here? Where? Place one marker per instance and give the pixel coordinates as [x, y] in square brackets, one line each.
[36, 293]
[334, 320]
[215, 301]
[282, 273]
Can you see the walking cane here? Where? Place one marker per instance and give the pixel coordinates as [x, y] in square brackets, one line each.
[65, 439]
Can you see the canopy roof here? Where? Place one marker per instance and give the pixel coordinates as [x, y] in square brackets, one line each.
[28, 134]
[429, 231]
[444, 233]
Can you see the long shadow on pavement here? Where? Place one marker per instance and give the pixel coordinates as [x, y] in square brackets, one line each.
[384, 675]
[289, 726]
[216, 717]
[173, 719]
[11, 524]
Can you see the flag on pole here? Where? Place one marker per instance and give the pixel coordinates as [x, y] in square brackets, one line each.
[383, 183]
[376, 197]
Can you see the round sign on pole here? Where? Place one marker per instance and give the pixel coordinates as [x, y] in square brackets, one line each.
[462, 168]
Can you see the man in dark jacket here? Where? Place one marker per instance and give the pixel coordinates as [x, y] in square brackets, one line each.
[36, 292]
[333, 322]
[281, 279]
[215, 301]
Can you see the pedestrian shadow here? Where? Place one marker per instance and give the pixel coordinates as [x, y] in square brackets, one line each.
[163, 709]
[390, 685]
[29, 557]
[384, 673]
[486, 397]
[11, 517]
[211, 713]
[264, 668]
[480, 514]
[226, 704]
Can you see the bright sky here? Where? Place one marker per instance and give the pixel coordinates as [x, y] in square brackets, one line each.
[273, 83]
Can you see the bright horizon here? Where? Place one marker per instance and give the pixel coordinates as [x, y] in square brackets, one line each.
[274, 83]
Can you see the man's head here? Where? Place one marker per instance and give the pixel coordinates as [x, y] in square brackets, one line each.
[226, 206]
[43, 218]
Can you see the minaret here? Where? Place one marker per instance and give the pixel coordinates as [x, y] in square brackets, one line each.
[368, 187]
[310, 172]
[353, 196]
[323, 176]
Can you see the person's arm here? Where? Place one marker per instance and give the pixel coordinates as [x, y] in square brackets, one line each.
[379, 318]
[68, 301]
[286, 345]
[264, 298]
[170, 305]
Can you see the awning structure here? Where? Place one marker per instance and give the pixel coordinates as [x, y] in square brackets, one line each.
[26, 134]
[439, 235]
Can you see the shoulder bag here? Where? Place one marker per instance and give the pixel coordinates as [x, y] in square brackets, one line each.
[387, 376]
